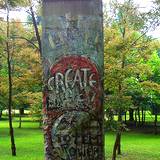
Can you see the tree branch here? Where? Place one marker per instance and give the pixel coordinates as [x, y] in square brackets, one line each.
[19, 37]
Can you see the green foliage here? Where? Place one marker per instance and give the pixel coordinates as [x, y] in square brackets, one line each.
[26, 69]
[117, 102]
[130, 61]
[125, 66]
[13, 3]
[127, 15]
[154, 63]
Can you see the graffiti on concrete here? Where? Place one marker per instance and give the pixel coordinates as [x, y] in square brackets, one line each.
[73, 84]
[73, 69]
[74, 35]
[72, 98]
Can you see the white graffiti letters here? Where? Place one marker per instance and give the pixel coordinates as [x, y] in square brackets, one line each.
[81, 77]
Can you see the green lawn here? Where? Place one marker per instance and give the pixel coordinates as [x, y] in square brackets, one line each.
[135, 146]
[29, 142]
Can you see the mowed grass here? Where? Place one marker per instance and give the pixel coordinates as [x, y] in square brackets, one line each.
[29, 143]
[135, 146]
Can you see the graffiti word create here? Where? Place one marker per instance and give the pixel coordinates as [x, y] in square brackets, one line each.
[71, 78]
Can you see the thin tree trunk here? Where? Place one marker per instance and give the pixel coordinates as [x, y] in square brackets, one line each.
[155, 123]
[139, 116]
[117, 144]
[13, 147]
[0, 114]
[135, 118]
[14, 112]
[36, 29]
[21, 112]
[131, 115]
[20, 119]
[119, 135]
[142, 116]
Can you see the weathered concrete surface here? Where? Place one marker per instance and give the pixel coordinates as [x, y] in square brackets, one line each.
[73, 71]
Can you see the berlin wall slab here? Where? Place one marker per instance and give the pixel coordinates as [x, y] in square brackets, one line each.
[73, 70]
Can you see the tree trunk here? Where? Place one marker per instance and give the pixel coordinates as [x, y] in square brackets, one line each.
[142, 116]
[119, 144]
[119, 134]
[131, 115]
[155, 123]
[36, 29]
[115, 146]
[0, 114]
[139, 116]
[13, 112]
[20, 118]
[135, 118]
[13, 147]
[21, 111]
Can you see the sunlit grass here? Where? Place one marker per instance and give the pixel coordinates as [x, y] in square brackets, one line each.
[29, 142]
[135, 146]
